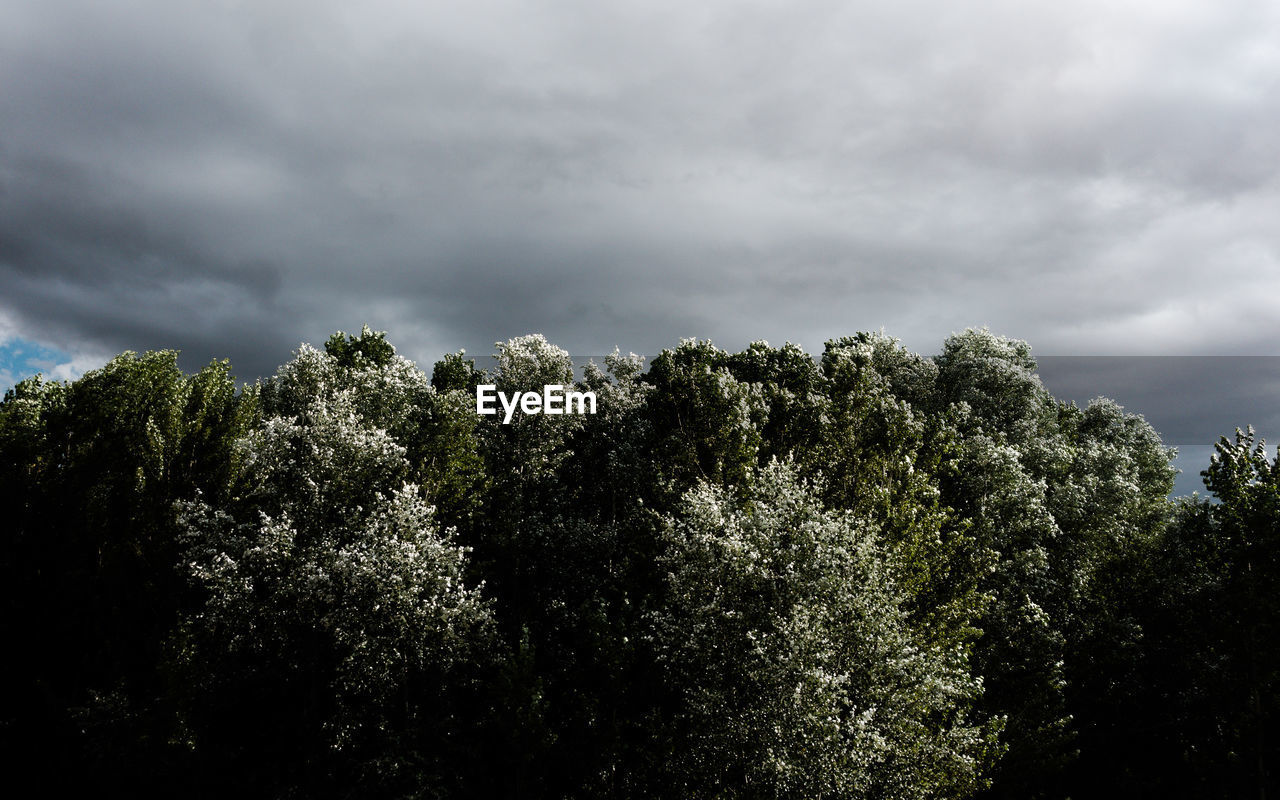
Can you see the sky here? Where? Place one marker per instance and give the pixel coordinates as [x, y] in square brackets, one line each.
[233, 178]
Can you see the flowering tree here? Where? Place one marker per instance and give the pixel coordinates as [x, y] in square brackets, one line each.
[339, 642]
[795, 673]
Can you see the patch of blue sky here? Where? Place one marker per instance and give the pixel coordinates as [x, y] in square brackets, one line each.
[21, 358]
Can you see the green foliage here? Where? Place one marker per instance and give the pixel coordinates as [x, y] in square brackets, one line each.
[370, 348]
[92, 585]
[795, 671]
[705, 422]
[994, 379]
[791, 387]
[454, 373]
[338, 637]
[1206, 681]
[748, 574]
[557, 572]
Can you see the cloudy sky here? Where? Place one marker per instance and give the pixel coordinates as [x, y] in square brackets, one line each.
[229, 178]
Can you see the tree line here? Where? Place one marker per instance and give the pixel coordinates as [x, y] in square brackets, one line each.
[749, 575]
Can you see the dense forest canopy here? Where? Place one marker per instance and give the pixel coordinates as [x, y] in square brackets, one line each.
[753, 574]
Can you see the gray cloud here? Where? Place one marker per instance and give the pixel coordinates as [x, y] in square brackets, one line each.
[232, 178]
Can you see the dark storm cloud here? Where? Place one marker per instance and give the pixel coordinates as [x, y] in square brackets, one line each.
[232, 178]
[1190, 400]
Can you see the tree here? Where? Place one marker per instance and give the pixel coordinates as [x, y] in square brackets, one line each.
[705, 422]
[747, 575]
[1066, 498]
[339, 643]
[1212, 626]
[793, 669]
[89, 472]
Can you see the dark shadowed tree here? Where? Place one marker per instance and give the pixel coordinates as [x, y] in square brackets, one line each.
[89, 473]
